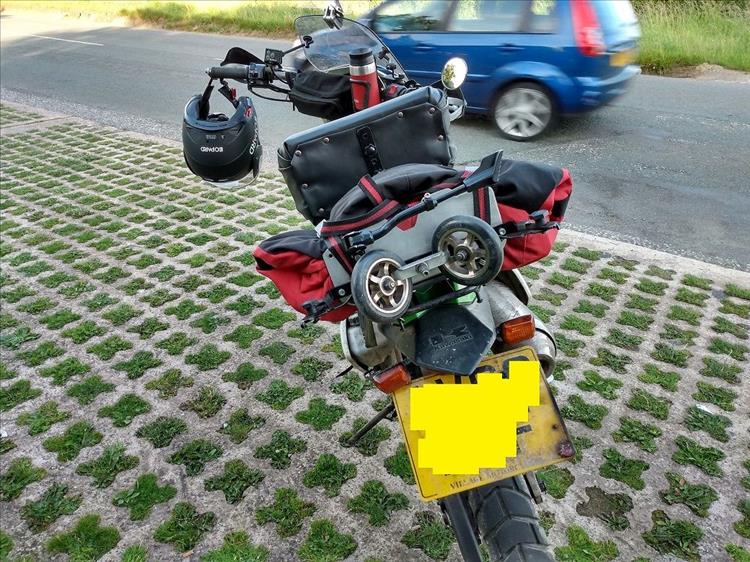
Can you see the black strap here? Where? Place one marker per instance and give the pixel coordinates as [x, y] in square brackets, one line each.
[203, 105]
[369, 150]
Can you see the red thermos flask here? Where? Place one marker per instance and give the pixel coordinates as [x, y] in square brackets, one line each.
[363, 75]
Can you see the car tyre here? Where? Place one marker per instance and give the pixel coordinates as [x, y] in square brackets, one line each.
[523, 111]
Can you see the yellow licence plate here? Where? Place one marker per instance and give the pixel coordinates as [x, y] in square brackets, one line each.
[622, 58]
[540, 440]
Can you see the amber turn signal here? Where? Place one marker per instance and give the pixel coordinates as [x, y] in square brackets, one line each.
[392, 379]
[518, 329]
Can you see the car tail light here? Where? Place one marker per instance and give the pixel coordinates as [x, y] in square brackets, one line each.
[588, 32]
[392, 379]
[518, 329]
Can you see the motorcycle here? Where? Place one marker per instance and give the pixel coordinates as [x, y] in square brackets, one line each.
[418, 261]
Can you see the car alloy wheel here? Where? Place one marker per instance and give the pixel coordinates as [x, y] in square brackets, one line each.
[523, 112]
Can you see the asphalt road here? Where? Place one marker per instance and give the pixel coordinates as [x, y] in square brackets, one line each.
[666, 166]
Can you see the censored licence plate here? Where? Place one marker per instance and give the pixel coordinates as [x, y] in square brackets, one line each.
[622, 58]
[542, 441]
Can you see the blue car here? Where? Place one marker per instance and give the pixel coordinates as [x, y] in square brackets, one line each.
[529, 60]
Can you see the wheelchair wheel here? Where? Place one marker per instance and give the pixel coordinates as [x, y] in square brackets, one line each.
[378, 295]
[473, 248]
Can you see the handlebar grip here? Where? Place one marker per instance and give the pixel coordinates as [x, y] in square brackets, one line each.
[230, 71]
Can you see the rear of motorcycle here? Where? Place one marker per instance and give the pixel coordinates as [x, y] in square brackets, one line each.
[444, 333]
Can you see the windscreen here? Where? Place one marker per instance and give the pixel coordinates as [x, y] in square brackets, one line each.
[330, 48]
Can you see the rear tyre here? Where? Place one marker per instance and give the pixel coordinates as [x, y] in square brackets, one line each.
[508, 523]
[523, 111]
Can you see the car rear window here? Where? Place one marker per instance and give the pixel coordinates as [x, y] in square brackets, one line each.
[499, 16]
[614, 14]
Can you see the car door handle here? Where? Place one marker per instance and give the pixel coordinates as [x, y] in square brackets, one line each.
[509, 48]
[423, 47]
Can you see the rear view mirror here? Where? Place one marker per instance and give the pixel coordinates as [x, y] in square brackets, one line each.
[454, 73]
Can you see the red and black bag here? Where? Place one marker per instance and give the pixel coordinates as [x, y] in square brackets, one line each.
[294, 260]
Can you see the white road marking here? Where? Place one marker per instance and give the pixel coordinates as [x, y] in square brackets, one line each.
[67, 40]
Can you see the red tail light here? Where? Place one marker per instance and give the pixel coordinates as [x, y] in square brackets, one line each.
[588, 32]
[392, 379]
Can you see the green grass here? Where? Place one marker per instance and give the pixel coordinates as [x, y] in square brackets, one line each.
[278, 352]
[185, 527]
[697, 497]
[677, 34]
[240, 424]
[169, 383]
[245, 375]
[280, 449]
[557, 480]
[237, 478]
[606, 358]
[581, 548]
[634, 431]
[619, 467]
[20, 473]
[430, 536]
[137, 366]
[65, 370]
[69, 444]
[324, 543]
[54, 503]
[279, 394]
[643, 401]
[721, 397]
[594, 382]
[237, 548]
[208, 358]
[288, 511]
[88, 389]
[143, 496]
[713, 424]
[610, 508]
[195, 454]
[676, 537]
[320, 415]
[720, 370]
[330, 474]
[17, 393]
[377, 503]
[311, 368]
[43, 418]
[705, 458]
[88, 540]
[368, 445]
[652, 374]
[206, 403]
[244, 336]
[162, 431]
[398, 465]
[125, 410]
[104, 469]
[578, 409]
[352, 385]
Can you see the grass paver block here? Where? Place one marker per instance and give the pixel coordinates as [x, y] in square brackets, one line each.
[240, 424]
[20, 473]
[330, 474]
[430, 535]
[143, 496]
[195, 454]
[698, 497]
[619, 467]
[280, 449]
[69, 444]
[288, 511]
[125, 410]
[237, 478]
[324, 543]
[377, 503]
[54, 503]
[88, 540]
[676, 537]
[186, 527]
[706, 458]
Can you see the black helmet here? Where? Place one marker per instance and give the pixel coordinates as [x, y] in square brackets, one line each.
[218, 148]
